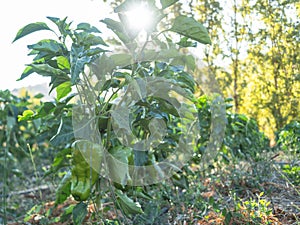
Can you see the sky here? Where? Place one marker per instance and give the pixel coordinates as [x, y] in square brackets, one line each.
[15, 14]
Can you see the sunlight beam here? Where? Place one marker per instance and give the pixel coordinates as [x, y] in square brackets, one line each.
[140, 17]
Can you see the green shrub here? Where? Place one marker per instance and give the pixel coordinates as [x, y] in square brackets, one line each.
[243, 137]
[288, 138]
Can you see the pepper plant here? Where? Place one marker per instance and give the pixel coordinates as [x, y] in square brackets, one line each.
[110, 103]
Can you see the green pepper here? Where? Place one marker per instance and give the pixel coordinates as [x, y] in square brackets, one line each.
[83, 175]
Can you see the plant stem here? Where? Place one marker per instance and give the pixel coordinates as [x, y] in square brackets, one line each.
[5, 178]
[34, 167]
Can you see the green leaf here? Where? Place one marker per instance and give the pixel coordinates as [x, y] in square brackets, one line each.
[27, 114]
[57, 80]
[59, 161]
[38, 96]
[94, 51]
[150, 55]
[121, 59]
[167, 54]
[118, 29]
[86, 39]
[228, 216]
[167, 3]
[242, 117]
[185, 43]
[145, 195]
[121, 75]
[120, 117]
[118, 164]
[63, 63]
[30, 28]
[111, 83]
[102, 65]
[63, 90]
[41, 56]
[53, 19]
[64, 188]
[63, 27]
[165, 106]
[187, 80]
[49, 46]
[128, 205]
[64, 133]
[140, 157]
[79, 213]
[46, 109]
[46, 70]
[113, 25]
[189, 27]
[57, 76]
[65, 216]
[182, 182]
[87, 28]
[78, 61]
[91, 152]
[95, 40]
[27, 71]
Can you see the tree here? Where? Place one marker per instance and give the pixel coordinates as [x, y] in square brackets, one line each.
[272, 65]
[254, 56]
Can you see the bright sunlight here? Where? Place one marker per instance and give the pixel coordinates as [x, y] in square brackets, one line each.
[140, 17]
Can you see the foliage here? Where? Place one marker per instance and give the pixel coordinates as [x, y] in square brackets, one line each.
[293, 173]
[254, 57]
[17, 136]
[243, 139]
[11, 107]
[271, 66]
[288, 138]
[253, 211]
[20, 146]
[288, 141]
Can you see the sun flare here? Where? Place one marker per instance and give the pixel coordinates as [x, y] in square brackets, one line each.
[140, 17]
